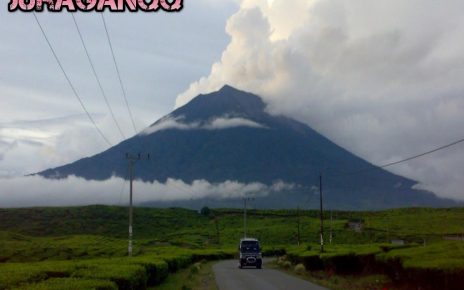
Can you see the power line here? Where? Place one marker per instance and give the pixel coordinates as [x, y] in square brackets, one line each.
[118, 73]
[423, 154]
[69, 81]
[405, 159]
[97, 77]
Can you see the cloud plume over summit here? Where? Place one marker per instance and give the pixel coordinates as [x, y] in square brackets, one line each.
[381, 78]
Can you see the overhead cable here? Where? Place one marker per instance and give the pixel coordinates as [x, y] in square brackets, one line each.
[403, 160]
[118, 73]
[76, 94]
[97, 78]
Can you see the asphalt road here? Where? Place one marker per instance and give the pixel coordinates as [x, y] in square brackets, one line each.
[230, 277]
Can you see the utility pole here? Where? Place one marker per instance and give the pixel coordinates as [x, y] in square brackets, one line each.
[245, 199]
[216, 223]
[331, 221]
[388, 232]
[132, 159]
[321, 215]
[298, 225]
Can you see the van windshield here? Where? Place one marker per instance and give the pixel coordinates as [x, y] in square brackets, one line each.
[249, 247]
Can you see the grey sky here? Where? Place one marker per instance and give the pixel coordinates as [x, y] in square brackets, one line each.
[159, 55]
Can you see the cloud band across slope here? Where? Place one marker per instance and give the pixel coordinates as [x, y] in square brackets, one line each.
[37, 191]
[170, 123]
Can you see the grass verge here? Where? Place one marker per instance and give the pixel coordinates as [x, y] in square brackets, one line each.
[338, 282]
[198, 276]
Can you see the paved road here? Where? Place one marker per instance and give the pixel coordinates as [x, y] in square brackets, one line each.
[230, 277]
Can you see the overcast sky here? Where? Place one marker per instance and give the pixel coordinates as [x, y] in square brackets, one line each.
[159, 55]
[380, 78]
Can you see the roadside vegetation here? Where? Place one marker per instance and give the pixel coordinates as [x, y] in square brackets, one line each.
[86, 247]
[199, 276]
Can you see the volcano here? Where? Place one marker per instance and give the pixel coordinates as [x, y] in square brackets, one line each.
[228, 136]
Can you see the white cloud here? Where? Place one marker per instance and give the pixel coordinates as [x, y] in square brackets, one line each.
[28, 146]
[38, 191]
[225, 123]
[169, 123]
[381, 78]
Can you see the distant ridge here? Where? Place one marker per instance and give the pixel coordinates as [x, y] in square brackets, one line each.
[228, 135]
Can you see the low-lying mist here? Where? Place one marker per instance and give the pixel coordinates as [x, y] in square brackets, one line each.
[32, 191]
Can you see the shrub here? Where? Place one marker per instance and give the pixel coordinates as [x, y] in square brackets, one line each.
[70, 284]
[205, 211]
[286, 265]
[300, 269]
[176, 263]
[280, 260]
[156, 270]
[195, 268]
[125, 276]
[13, 274]
[274, 252]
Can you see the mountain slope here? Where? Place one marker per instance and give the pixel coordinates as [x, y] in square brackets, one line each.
[227, 135]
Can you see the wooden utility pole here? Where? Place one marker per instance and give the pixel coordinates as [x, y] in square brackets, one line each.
[321, 215]
[245, 199]
[216, 223]
[132, 159]
[331, 222]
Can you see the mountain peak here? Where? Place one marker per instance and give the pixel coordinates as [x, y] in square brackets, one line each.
[228, 101]
[227, 87]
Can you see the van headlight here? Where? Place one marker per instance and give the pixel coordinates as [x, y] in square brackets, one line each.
[260, 256]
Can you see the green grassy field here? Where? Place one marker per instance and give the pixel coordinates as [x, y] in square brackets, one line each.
[187, 227]
[85, 247]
